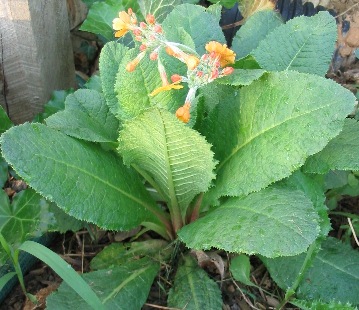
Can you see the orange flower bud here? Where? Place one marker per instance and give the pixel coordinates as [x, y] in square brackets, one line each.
[157, 28]
[143, 47]
[227, 71]
[150, 19]
[183, 113]
[137, 32]
[131, 66]
[129, 11]
[143, 25]
[176, 78]
[200, 73]
[170, 51]
[214, 74]
[154, 55]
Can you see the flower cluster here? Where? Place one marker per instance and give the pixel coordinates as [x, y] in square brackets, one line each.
[201, 70]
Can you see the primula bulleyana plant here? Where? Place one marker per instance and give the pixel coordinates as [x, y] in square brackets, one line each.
[226, 154]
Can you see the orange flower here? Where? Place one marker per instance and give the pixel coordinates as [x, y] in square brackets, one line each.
[122, 24]
[166, 87]
[183, 113]
[224, 54]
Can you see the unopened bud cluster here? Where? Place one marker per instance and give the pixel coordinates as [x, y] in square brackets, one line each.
[201, 70]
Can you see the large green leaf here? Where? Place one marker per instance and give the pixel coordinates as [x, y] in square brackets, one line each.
[341, 153]
[82, 178]
[123, 287]
[5, 122]
[27, 216]
[158, 8]
[273, 222]
[111, 56]
[117, 254]
[334, 275]
[133, 88]
[280, 121]
[254, 30]
[176, 157]
[191, 18]
[304, 44]
[86, 116]
[314, 191]
[193, 289]
[320, 305]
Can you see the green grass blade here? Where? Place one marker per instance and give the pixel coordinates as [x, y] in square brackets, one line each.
[64, 271]
[6, 278]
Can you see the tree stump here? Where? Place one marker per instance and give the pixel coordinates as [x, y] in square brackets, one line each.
[35, 55]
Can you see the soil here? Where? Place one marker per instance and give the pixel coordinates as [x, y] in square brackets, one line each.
[78, 249]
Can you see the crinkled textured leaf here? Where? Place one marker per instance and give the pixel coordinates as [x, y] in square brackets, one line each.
[334, 275]
[193, 289]
[111, 56]
[101, 14]
[83, 179]
[133, 88]
[273, 222]
[5, 122]
[255, 29]
[94, 82]
[124, 287]
[27, 216]
[241, 77]
[304, 44]
[176, 157]
[278, 128]
[314, 191]
[117, 254]
[320, 305]
[341, 153]
[192, 18]
[86, 116]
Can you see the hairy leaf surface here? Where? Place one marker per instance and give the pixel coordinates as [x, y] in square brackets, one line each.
[191, 18]
[123, 287]
[176, 157]
[254, 30]
[193, 289]
[86, 116]
[334, 275]
[304, 44]
[273, 222]
[276, 129]
[111, 56]
[83, 179]
[341, 153]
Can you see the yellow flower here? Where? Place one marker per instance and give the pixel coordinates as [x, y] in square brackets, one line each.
[122, 24]
[224, 54]
[166, 87]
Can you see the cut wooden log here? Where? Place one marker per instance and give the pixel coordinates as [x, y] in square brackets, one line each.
[35, 55]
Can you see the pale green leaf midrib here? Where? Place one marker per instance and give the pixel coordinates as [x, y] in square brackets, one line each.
[337, 267]
[168, 166]
[274, 219]
[96, 178]
[238, 148]
[193, 289]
